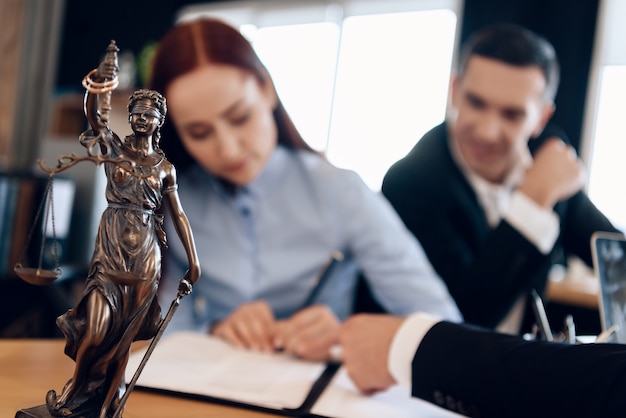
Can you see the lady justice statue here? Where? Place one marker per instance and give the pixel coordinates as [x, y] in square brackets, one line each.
[119, 303]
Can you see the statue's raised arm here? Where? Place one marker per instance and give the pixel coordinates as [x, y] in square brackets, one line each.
[99, 84]
[98, 140]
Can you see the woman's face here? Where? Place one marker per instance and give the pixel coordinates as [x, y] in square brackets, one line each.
[224, 118]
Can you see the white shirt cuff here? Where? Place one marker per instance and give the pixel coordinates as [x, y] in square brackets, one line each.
[538, 225]
[405, 344]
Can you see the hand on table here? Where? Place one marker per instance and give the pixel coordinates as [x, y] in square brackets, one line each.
[366, 341]
[309, 334]
[250, 326]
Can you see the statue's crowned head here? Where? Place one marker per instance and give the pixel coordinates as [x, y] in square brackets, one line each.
[143, 98]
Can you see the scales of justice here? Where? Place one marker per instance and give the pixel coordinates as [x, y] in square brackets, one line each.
[118, 304]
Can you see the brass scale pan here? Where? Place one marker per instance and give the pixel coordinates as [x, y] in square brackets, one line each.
[39, 276]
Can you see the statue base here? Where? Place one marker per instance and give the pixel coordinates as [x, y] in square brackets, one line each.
[40, 411]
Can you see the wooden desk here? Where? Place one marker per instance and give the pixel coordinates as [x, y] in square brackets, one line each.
[576, 291]
[29, 368]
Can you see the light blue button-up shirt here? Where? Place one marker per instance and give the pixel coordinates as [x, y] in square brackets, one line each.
[270, 240]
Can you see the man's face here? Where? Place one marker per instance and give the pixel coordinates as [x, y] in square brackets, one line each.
[496, 109]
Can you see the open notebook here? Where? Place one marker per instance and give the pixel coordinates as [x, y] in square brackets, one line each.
[202, 367]
[609, 260]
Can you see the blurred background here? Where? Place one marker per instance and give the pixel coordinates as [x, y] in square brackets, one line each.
[363, 80]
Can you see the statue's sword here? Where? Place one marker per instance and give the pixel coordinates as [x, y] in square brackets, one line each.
[184, 288]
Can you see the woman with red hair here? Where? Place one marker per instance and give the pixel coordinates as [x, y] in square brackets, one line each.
[268, 212]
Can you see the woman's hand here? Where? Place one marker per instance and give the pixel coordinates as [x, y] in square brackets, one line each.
[308, 334]
[251, 326]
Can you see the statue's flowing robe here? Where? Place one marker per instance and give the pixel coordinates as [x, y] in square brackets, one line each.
[125, 269]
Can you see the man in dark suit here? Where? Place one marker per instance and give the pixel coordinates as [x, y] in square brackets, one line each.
[480, 373]
[493, 203]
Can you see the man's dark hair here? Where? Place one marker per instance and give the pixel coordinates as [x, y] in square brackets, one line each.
[517, 46]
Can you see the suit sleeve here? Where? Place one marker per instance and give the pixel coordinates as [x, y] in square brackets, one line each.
[480, 373]
[485, 269]
[581, 219]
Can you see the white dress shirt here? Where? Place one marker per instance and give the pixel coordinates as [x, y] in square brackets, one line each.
[503, 201]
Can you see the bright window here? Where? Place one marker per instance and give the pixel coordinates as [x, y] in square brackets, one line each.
[604, 141]
[362, 80]
[607, 187]
[392, 85]
[302, 60]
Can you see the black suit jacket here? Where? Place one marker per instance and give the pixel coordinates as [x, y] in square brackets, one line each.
[486, 269]
[484, 374]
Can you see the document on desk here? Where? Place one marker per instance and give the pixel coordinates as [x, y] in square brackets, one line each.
[204, 367]
[342, 399]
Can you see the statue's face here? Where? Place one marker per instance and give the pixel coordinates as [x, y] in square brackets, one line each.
[144, 117]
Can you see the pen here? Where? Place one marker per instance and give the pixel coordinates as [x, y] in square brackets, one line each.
[540, 314]
[322, 277]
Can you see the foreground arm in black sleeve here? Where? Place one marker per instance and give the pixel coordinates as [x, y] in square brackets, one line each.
[480, 373]
[495, 375]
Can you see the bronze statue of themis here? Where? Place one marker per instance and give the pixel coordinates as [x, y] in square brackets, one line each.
[119, 303]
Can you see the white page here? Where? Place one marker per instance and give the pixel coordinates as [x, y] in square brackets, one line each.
[342, 399]
[199, 364]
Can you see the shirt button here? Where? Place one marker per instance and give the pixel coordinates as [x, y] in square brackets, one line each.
[245, 212]
[438, 397]
[451, 403]
[461, 407]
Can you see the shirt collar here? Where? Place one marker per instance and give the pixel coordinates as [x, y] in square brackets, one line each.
[271, 173]
[264, 182]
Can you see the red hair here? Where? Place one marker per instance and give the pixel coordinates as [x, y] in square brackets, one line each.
[189, 45]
